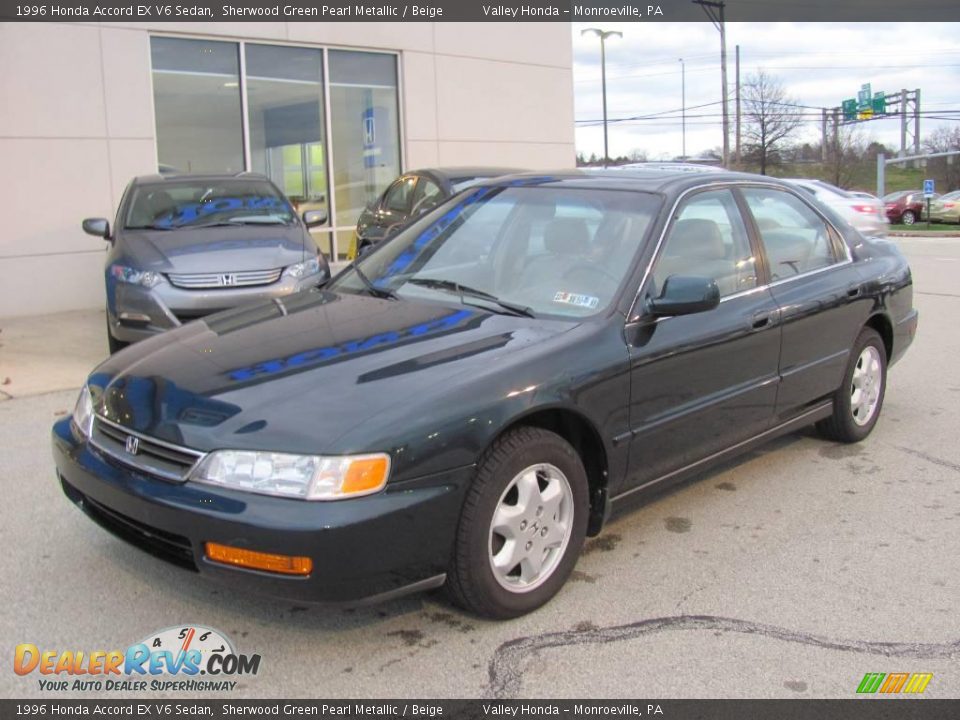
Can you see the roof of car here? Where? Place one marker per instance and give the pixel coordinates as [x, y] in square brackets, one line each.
[199, 177]
[657, 179]
[468, 171]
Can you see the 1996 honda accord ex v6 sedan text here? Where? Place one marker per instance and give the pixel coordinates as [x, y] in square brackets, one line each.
[468, 401]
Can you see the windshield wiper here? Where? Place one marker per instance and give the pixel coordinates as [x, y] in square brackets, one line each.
[374, 290]
[149, 227]
[231, 223]
[465, 290]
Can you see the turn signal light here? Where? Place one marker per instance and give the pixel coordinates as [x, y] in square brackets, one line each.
[238, 557]
[366, 475]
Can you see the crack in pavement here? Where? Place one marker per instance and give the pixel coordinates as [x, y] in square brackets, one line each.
[506, 672]
[930, 458]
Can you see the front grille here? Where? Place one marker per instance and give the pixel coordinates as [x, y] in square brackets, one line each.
[160, 543]
[154, 457]
[224, 281]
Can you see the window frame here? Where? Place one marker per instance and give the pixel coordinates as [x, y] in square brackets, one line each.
[840, 250]
[760, 266]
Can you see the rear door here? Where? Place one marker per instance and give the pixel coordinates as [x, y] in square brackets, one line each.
[817, 289]
[701, 383]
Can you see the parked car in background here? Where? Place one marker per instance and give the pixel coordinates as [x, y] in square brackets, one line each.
[946, 208]
[185, 246]
[864, 213]
[438, 416]
[413, 194]
[906, 206]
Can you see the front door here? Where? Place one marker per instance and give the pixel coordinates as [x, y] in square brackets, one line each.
[702, 382]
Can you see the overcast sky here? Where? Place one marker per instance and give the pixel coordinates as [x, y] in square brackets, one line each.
[820, 64]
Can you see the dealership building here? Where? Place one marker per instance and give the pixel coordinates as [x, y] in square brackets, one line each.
[331, 112]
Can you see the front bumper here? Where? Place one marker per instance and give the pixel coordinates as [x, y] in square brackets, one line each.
[137, 312]
[371, 547]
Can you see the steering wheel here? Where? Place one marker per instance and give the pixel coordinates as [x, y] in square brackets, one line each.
[590, 266]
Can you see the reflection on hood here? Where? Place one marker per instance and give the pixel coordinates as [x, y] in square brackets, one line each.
[333, 353]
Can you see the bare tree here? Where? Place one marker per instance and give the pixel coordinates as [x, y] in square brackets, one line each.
[945, 170]
[847, 150]
[770, 118]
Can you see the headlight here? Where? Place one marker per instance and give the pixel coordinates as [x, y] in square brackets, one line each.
[304, 269]
[125, 274]
[83, 412]
[307, 477]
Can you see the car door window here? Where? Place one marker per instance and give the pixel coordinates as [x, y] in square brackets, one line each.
[709, 239]
[398, 196]
[427, 193]
[795, 237]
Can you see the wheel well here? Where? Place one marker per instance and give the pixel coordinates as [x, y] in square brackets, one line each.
[585, 439]
[884, 328]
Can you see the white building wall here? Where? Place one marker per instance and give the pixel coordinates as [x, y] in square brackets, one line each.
[76, 122]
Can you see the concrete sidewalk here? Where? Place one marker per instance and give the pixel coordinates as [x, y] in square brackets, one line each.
[43, 353]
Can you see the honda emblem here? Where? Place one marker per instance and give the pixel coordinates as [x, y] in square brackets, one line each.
[133, 444]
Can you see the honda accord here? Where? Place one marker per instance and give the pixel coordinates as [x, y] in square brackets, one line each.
[466, 403]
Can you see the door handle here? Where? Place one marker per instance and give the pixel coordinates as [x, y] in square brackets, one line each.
[853, 291]
[763, 319]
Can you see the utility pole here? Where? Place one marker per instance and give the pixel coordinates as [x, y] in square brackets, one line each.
[714, 11]
[603, 35]
[683, 105]
[823, 135]
[737, 151]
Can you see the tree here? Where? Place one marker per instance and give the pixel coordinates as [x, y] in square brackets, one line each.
[769, 116]
[946, 170]
[847, 150]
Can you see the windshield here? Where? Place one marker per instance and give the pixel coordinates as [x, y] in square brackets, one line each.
[518, 249]
[895, 195]
[197, 203]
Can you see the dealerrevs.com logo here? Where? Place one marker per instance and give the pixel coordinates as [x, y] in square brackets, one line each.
[187, 658]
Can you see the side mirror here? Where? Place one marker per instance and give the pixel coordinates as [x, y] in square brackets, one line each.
[685, 296]
[312, 218]
[98, 227]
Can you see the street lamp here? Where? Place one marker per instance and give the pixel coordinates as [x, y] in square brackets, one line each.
[683, 104]
[603, 35]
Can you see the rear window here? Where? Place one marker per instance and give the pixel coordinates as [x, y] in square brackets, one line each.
[193, 203]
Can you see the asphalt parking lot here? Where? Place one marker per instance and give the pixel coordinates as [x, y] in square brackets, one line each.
[791, 573]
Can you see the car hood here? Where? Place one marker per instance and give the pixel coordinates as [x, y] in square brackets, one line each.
[214, 249]
[296, 374]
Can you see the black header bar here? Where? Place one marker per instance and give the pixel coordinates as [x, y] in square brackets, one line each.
[477, 11]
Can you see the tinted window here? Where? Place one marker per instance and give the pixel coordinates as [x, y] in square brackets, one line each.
[795, 237]
[560, 252]
[398, 196]
[708, 239]
[427, 192]
[178, 204]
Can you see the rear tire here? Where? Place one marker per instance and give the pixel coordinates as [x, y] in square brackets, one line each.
[522, 526]
[908, 217]
[858, 401]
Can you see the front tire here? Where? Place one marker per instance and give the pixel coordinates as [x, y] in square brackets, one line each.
[522, 526]
[857, 404]
[908, 217]
[113, 344]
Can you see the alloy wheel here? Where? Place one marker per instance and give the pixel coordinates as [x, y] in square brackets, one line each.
[531, 528]
[866, 385]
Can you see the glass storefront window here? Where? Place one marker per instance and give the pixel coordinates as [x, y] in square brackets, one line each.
[196, 96]
[285, 111]
[200, 93]
[365, 130]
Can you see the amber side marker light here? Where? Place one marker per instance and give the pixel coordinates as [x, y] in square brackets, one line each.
[238, 557]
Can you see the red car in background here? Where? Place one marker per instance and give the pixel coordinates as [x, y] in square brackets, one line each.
[905, 206]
